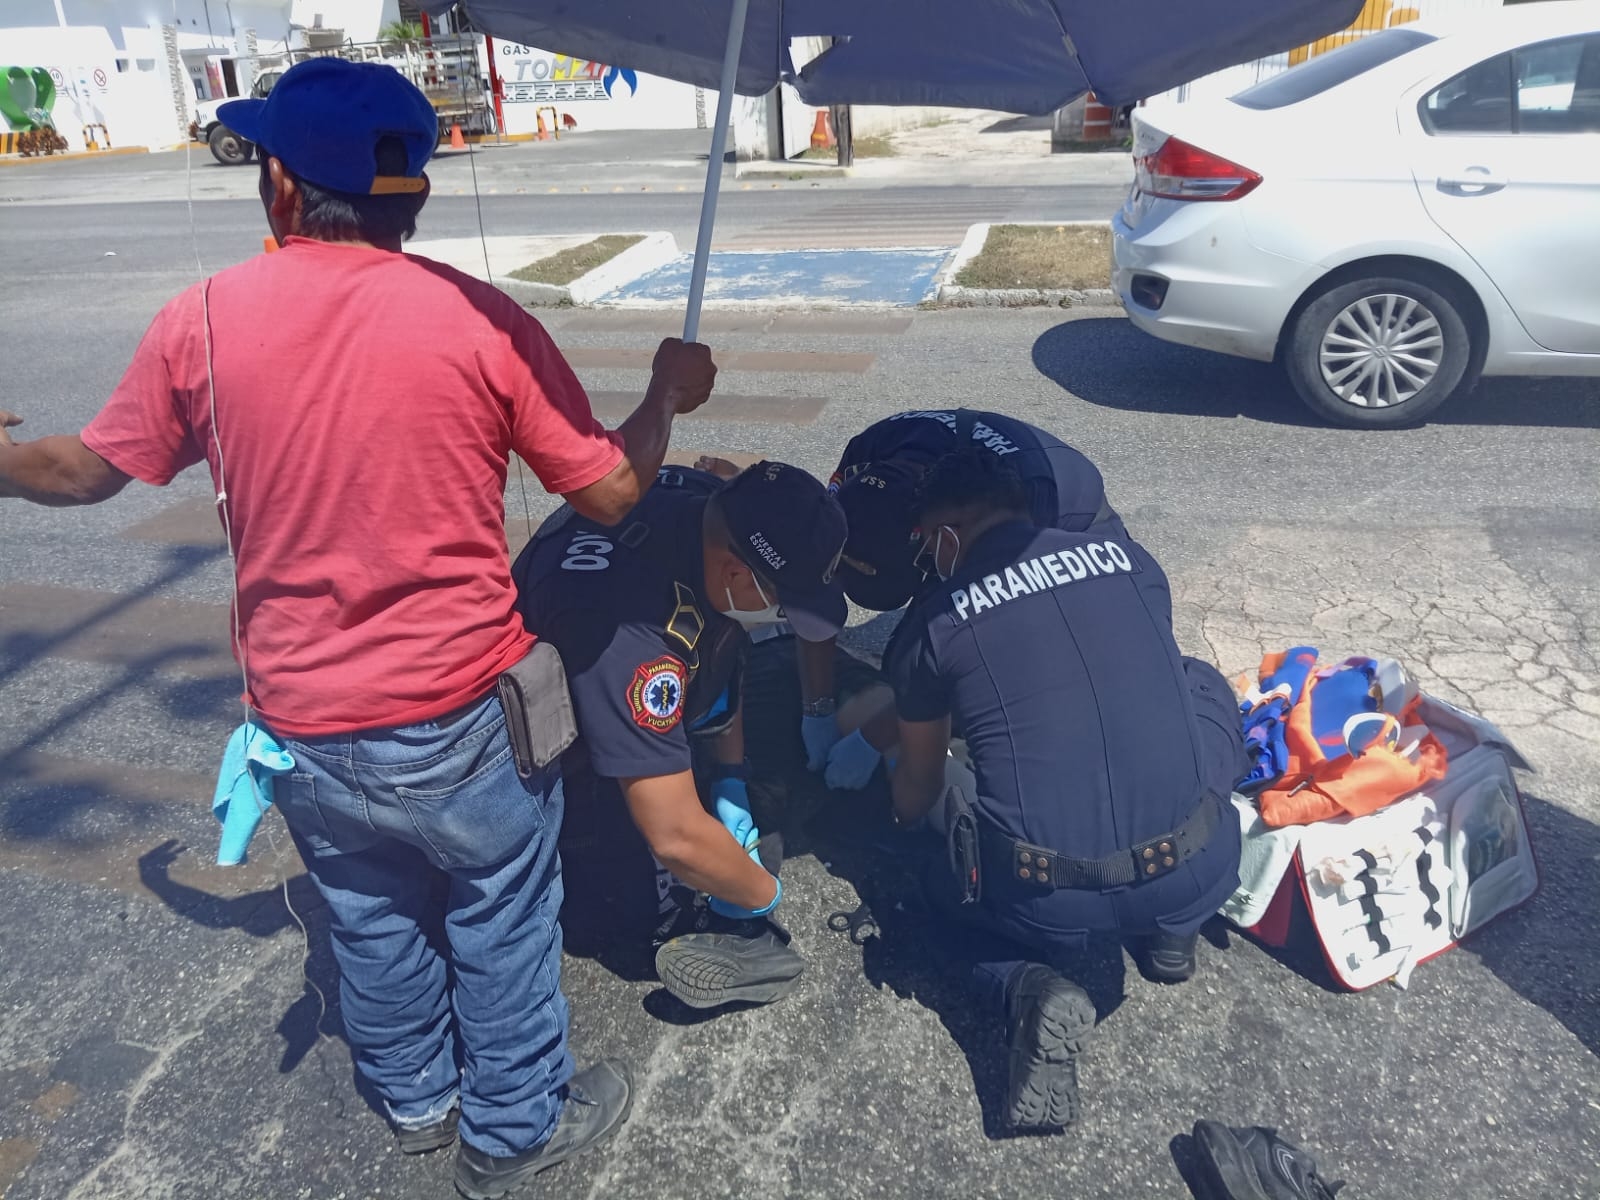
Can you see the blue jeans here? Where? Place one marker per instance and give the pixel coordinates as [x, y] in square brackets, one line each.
[441, 874]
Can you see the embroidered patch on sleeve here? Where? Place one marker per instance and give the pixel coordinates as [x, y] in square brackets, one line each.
[655, 694]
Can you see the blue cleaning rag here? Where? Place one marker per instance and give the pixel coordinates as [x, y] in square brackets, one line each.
[245, 787]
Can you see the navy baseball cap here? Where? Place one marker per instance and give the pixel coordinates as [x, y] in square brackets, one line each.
[324, 119]
[879, 501]
[789, 531]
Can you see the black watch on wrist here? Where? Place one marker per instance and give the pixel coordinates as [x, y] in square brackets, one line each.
[824, 707]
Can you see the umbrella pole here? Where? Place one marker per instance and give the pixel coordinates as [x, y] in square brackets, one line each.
[719, 146]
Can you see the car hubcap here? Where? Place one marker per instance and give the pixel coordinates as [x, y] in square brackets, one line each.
[1381, 351]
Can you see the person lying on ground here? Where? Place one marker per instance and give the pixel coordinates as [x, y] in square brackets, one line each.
[651, 618]
[360, 472]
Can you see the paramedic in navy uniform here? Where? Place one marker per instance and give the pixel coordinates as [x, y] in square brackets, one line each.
[876, 483]
[651, 619]
[1100, 760]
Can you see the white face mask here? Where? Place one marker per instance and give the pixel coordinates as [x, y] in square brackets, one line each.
[755, 618]
[932, 555]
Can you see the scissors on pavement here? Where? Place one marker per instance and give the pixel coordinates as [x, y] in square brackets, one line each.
[859, 924]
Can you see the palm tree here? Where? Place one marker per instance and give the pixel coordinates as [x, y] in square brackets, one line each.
[400, 31]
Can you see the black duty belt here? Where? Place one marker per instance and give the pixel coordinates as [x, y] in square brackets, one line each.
[1042, 868]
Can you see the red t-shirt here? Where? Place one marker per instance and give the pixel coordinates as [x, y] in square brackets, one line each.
[368, 402]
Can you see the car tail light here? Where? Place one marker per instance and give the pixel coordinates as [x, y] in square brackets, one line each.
[1179, 171]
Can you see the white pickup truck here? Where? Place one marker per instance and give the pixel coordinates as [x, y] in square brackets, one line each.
[227, 147]
[444, 68]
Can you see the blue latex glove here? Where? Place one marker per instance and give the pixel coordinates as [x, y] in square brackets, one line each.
[245, 787]
[851, 763]
[820, 734]
[731, 800]
[735, 913]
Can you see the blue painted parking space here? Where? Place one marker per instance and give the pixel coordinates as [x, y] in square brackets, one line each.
[898, 277]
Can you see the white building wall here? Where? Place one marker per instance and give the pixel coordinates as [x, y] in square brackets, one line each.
[595, 95]
[110, 61]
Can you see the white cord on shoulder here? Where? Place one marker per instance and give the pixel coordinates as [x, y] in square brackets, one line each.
[488, 273]
[233, 572]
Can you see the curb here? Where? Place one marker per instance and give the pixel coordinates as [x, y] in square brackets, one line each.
[12, 160]
[952, 295]
[656, 250]
[794, 171]
[960, 297]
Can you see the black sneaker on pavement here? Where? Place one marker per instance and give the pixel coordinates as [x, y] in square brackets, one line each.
[1256, 1164]
[1048, 1020]
[598, 1102]
[723, 961]
[1168, 958]
[427, 1138]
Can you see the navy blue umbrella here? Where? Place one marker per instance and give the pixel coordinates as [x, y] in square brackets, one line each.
[1026, 56]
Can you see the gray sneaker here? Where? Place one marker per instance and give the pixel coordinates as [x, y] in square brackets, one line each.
[728, 962]
[598, 1102]
[1254, 1163]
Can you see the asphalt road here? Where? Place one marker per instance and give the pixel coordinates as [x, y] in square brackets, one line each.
[157, 1038]
[599, 183]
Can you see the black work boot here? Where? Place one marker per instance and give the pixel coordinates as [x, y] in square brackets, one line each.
[598, 1102]
[720, 961]
[1168, 958]
[1256, 1164]
[425, 1138]
[1048, 1020]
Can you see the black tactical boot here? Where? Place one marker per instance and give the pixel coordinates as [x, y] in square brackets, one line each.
[1168, 958]
[1048, 1020]
[1255, 1164]
[719, 961]
[598, 1102]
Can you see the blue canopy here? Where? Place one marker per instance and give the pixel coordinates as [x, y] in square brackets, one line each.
[1026, 56]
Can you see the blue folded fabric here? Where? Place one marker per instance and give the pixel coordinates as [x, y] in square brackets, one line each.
[251, 762]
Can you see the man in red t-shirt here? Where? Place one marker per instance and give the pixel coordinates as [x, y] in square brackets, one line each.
[357, 408]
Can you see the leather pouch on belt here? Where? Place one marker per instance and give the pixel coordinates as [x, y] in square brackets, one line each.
[538, 707]
[962, 843]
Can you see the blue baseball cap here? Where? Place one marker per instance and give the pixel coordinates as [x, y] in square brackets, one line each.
[324, 120]
[787, 529]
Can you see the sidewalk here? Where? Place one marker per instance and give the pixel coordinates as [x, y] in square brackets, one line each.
[980, 148]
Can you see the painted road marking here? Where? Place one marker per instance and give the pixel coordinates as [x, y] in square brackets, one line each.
[666, 324]
[793, 361]
[187, 523]
[89, 822]
[761, 410]
[185, 636]
[898, 277]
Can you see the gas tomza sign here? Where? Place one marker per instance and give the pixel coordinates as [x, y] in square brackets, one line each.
[531, 76]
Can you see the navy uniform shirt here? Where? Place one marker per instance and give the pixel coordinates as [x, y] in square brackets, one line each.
[1064, 488]
[1053, 653]
[648, 657]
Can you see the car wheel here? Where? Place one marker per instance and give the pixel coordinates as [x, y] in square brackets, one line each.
[1379, 353]
[228, 148]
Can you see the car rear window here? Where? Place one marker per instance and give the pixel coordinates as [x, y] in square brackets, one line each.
[1329, 70]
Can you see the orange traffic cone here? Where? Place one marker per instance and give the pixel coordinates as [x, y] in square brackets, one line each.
[457, 142]
[822, 132]
[1096, 120]
[269, 244]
